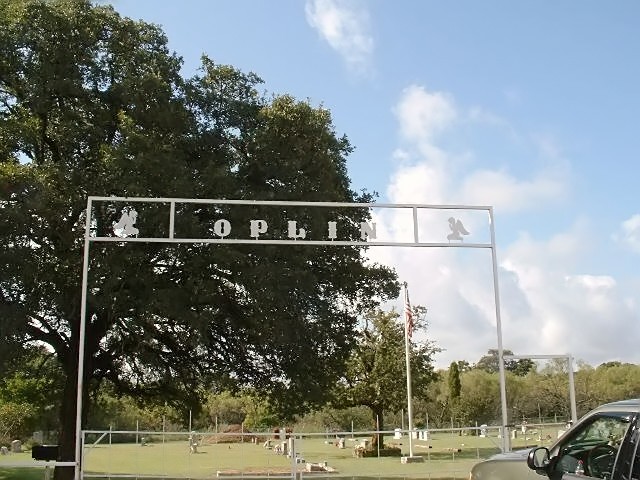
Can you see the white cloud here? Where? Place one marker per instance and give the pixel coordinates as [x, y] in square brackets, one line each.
[508, 193]
[593, 283]
[422, 115]
[580, 314]
[547, 305]
[562, 250]
[345, 27]
[421, 183]
[629, 233]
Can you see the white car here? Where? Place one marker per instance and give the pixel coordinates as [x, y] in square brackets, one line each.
[591, 445]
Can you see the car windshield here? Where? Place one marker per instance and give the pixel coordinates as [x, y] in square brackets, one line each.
[603, 429]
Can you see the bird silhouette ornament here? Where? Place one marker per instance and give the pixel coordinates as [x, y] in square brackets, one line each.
[457, 230]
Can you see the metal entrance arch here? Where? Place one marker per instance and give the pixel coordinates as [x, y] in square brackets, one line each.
[126, 231]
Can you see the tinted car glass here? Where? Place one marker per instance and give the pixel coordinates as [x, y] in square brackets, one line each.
[628, 465]
[594, 445]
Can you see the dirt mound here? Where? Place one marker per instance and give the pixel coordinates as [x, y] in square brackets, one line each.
[234, 433]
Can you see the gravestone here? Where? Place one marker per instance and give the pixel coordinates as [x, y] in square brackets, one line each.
[16, 446]
[193, 443]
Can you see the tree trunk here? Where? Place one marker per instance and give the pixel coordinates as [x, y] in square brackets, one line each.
[67, 433]
[378, 424]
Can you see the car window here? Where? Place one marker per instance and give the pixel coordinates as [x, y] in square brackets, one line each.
[593, 445]
[629, 455]
[635, 465]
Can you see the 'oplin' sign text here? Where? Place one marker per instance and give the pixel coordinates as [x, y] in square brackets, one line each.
[222, 229]
[125, 227]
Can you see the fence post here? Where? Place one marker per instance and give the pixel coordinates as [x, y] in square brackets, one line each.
[292, 452]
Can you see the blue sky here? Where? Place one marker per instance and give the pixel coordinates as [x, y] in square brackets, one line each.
[530, 107]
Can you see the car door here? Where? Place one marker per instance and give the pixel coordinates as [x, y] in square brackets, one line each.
[627, 465]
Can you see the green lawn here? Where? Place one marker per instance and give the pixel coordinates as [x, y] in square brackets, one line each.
[21, 474]
[450, 456]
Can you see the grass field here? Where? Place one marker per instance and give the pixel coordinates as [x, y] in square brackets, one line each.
[446, 456]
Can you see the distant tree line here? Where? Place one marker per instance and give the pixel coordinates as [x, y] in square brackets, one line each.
[462, 396]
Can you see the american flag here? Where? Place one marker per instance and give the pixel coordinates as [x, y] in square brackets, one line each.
[408, 314]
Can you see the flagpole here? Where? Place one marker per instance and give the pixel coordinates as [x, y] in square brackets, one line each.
[407, 325]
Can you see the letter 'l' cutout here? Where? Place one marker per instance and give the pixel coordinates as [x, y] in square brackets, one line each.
[295, 232]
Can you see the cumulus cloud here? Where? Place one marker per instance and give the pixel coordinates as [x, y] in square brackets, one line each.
[508, 193]
[547, 306]
[629, 233]
[344, 25]
[422, 114]
[580, 314]
[419, 183]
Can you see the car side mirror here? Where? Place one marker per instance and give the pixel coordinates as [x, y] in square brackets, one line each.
[538, 459]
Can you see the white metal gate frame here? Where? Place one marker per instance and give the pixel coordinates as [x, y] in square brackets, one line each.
[572, 386]
[88, 239]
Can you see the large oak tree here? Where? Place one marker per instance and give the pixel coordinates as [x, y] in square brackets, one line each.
[92, 103]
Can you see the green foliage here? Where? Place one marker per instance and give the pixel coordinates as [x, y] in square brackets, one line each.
[336, 419]
[225, 408]
[479, 397]
[520, 367]
[92, 103]
[464, 366]
[608, 382]
[376, 370]
[30, 392]
[455, 387]
[536, 396]
[126, 413]
[248, 408]
[15, 420]
[259, 414]
[490, 363]
[454, 381]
